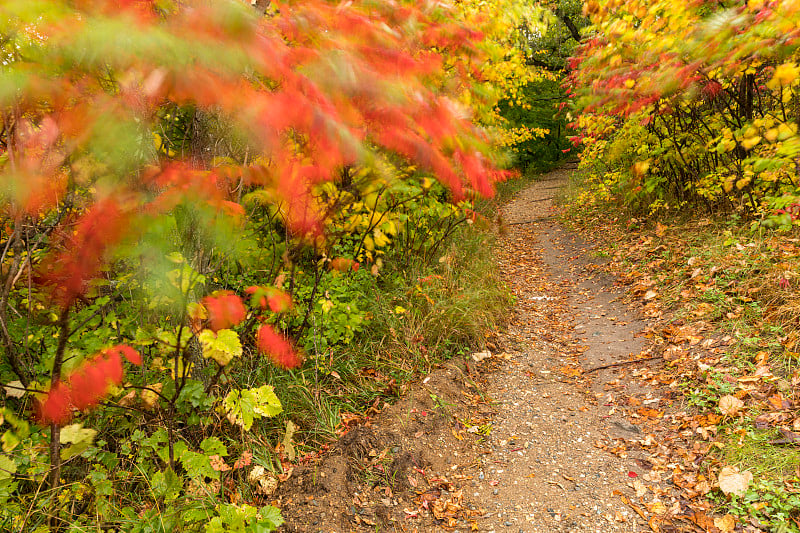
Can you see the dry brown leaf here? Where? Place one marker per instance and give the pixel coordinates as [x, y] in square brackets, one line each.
[15, 389]
[731, 481]
[265, 482]
[730, 405]
[726, 523]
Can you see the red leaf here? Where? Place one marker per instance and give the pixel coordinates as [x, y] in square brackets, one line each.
[343, 264]
[225, 309]
[111, 364]
[55, 409]
[129, 353]
[67, 272]
[91, 381]
[277, 348]
[277, 300]
[631, 473]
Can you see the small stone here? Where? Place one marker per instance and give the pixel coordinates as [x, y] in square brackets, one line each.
[507, 523]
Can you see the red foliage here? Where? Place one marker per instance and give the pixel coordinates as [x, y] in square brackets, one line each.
[343, 264]
[66, 272]
[92, 380]
[711, 89]
[128, 353]
[225, 309]
[86, 385]
[277, 348]
[277, 300]
[55, 409]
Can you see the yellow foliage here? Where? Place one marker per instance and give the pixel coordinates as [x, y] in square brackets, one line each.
[785, 74]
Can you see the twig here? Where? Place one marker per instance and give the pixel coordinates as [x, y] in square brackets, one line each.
[532, 221]
[622, 363]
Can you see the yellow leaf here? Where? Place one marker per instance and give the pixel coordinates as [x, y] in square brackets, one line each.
[771, 134]
[784, 75]
[750, 142]
[369, 244]
[640, 168]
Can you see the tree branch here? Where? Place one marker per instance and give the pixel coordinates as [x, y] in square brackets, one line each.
[573, 29]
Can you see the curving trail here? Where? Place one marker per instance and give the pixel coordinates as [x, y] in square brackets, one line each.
[555, 398]
[552, 432]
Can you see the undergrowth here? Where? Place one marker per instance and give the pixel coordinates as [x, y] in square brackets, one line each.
[420, 316]
[732, 283]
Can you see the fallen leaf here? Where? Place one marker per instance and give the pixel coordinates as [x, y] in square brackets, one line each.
[779, 402]
[266, 481]
[480, 356]
[731, 481]
[15, 389]
[730, 405]
[789, 437]
[726, 523]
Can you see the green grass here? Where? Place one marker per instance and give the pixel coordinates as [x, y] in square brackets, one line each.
[752, 451]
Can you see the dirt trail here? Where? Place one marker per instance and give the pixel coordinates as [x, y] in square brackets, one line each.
[513, 442]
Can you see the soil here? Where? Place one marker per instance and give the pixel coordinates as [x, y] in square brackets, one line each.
[529, 435]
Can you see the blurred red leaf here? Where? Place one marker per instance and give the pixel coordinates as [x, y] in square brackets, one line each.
[67, 272]
[55, 409]
[225, 309]
[277, 348]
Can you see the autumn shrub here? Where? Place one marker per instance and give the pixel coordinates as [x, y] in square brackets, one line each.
[689, 106]
[202, 205]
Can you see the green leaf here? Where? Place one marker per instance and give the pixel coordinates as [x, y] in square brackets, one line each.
[99, 480]
[198, 465]
[76, 449]
[194, 395]
[246, 405]
[178, 449]
[269, 516]
[7, 467]
[215, 525]
[222, 346]
[214, 446]
[80, 438]
[167, 485]
[76, 433]
[10, 440]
